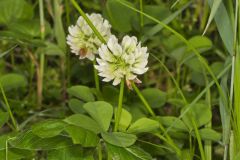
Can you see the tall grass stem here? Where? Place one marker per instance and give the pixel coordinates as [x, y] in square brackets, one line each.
[9, 108]
[42, 56]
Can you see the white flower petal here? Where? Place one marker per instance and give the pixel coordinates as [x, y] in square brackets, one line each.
[125, 60]
[81, 35]
[116, 81]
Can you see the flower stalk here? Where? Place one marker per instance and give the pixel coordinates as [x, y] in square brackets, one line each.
[119, 109]
[147, 106]
[96, 78]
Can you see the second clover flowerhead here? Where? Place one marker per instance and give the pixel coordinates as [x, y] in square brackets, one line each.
[125, 60]
[82, 39]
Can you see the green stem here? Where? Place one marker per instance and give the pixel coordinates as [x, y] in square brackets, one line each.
[42, 56]
[67, 6]
[170, 143]
[149, 109]
[119, 109]
[96, 78]
[199, 140]
[234, 88]
[6, 149]
[9, 109]
[141, 16]
[109, 156]
[67, 12]
[231, 147]
[100, 151]
[208, 143]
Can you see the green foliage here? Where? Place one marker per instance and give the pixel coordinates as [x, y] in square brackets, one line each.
[155, 97]
[119, 138]
[29, 141]
[76, 105]
[69, 153]
[201, 113]
[29, 28]
[101, 112]
[143, 125]
[190, 117]
[209, 134]
[170, 120]
[3, 118]
[48, 128]
[131, 153]
[15, 10]
[84, 122]
[125, 120]
[82, 92]
[52, 49]
[115, 12]
[13, 81]
[82, 136]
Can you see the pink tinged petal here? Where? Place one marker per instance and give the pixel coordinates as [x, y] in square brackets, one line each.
[130, 76]
[137, 81]
[90, 56]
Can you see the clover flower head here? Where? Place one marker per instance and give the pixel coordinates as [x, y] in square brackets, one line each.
[81, 38]
[125, 60]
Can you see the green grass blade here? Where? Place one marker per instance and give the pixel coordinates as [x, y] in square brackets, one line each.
[141, 16]
[207, 143]
[42, 56]
[199, 96]
[214, 9]
[225, 114]
[237, 103]
[200, 146]
[9, 109]
[175, 3]
[7, 51]
[224, 26]
[58, 25]
[172, 77]
[157, 28]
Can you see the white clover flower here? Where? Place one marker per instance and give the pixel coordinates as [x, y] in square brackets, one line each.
[81, 38]
[125, 60]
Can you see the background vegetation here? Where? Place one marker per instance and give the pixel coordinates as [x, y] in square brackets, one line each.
[50, 108]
